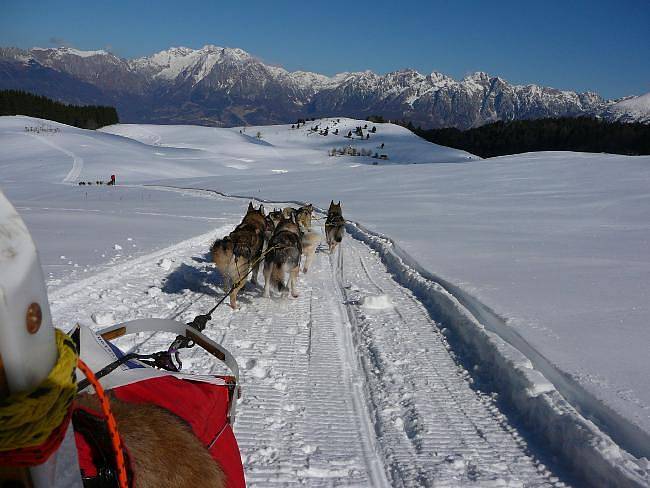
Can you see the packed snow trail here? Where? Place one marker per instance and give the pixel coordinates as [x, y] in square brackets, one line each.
[339, 388]
[434, 428]
[77, 161]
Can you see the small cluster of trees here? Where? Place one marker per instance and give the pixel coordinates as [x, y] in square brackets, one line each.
[315, 129]
[358, 131]
[17, 102]
[351, 151]
[42, 129]
[300, 122]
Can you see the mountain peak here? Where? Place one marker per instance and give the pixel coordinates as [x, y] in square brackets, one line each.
[478, 77]
[69, 51]
[437, 77]
[235, 52]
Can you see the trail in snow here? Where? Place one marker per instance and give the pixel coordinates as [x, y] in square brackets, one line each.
[435, 428]
[334, 394]
[155, 138]
[77, 161]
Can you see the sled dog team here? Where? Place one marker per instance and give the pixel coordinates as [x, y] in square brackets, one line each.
[278, 241]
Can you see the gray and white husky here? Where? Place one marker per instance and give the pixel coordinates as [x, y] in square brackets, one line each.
[284, 251]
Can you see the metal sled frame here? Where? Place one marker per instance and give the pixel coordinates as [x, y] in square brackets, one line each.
[124, 375]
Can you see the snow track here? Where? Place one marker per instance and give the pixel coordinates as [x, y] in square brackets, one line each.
[560, 430]
[434, 429]
[77, 161]
[335, 393]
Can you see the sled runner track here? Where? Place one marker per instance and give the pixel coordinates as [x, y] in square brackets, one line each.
[77, 161]
[433, 428]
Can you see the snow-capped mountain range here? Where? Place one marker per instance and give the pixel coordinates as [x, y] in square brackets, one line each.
[228, 86]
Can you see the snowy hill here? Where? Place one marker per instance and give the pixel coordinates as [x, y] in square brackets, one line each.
[228, 86]
[538, 261]
[634, 109]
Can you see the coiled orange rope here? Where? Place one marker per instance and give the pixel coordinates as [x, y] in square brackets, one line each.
[116, 440]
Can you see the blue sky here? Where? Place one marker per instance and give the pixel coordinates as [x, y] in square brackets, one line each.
[578, 45]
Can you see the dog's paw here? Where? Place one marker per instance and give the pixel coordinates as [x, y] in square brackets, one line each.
[295, 294]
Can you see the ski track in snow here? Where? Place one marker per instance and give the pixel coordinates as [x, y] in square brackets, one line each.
[333, 394]
[77, 161]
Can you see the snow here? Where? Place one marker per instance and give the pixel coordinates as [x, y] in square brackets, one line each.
[378, 302]
[633, 109]
[102, 318]
[173, 62]
[640, 104]
[539, 261]
[72, 52]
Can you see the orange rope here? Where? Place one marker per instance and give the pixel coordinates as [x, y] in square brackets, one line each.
[111, 424]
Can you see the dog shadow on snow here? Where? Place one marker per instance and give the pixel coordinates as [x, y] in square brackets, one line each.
[203, 279]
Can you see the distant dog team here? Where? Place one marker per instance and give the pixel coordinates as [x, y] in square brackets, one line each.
[279, 240]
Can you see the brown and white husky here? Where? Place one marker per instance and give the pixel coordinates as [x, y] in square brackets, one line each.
[310, 238]
[241, 250]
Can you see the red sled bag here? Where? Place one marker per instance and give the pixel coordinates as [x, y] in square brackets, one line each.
[206, 403]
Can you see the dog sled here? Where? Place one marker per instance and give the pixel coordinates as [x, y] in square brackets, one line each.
[53, 434]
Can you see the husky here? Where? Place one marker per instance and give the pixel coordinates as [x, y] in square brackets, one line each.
[269, 227]
[240, 251]
[334, 225]
[310, 241]
[276, 216]
[303, 216]
[152, 437]
[288, 212]
[285, 249]
[310, 238]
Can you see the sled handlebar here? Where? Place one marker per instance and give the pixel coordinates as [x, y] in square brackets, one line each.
[191, 333]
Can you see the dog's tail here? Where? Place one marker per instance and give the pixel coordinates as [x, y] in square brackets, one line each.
[338, 234]
[219, 245]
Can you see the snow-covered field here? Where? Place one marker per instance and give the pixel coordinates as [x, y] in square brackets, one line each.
[549, 251]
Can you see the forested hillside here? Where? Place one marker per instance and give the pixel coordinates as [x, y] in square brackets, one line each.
[16, 102]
